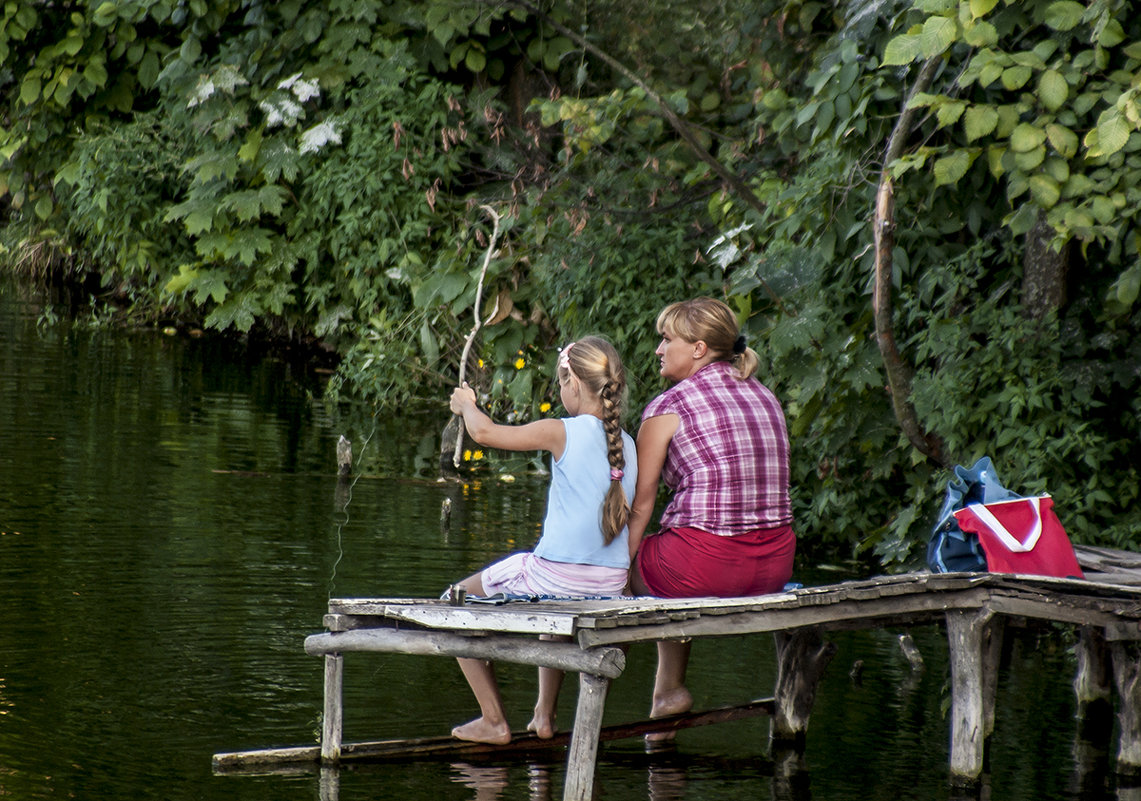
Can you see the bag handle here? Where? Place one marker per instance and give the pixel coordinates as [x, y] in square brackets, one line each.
[987, 517]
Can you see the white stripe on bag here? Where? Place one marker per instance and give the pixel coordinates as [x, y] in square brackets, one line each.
[990, 521]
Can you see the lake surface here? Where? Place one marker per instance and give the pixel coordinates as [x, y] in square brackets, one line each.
[172, 526]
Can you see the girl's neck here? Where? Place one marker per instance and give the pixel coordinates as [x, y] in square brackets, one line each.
[594, 409]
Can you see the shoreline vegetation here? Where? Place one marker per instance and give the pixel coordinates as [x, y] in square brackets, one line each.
[930, 237]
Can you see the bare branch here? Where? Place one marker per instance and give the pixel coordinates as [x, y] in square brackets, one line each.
[899, 373]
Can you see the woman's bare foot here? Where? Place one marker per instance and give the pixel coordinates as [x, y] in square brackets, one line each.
[543, 726]
[671, 702]
[481, 731]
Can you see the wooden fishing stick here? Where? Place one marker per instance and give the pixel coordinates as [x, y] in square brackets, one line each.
[478, 321]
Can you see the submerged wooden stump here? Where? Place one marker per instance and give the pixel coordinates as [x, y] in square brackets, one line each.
[1093, 683]
[1127, 676]
[802, 656]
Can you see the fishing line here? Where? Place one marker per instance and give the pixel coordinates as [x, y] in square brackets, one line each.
[344, 497]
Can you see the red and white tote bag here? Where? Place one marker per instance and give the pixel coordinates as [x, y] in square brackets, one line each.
[1022, 535]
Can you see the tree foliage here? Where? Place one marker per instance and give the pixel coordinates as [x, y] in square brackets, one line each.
[316, 169]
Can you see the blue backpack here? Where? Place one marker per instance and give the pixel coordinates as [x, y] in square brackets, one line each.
[950, 549]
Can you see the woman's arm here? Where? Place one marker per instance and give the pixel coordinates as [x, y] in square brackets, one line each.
[653, 443]
[546, 435]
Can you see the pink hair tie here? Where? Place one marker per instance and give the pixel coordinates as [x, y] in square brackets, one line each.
[616, 474]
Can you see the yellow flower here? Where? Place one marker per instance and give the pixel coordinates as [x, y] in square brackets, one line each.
[467, 456]
[544, 407]
[519, 363]
[477, 455]
[481, 362]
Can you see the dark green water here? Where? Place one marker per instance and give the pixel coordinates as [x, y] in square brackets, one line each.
[171, 530]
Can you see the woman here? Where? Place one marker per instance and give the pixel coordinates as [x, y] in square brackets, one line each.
[718, 440]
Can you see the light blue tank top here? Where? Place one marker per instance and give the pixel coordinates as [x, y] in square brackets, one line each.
[572, 529]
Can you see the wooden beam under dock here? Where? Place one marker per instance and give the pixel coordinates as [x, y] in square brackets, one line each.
[524, 742]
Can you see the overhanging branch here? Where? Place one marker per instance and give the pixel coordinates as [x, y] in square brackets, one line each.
[899, 373]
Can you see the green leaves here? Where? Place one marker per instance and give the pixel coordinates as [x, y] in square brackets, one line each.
[1026, 137]
[1053, 90]
[1110, 135]
[979, 121]
[1064, 15]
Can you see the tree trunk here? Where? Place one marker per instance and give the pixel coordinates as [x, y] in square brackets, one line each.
[1043, 272]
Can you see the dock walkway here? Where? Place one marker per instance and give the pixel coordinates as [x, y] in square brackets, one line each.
[1106, 609]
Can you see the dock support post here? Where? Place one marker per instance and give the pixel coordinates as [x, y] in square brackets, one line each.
[332, 720]
[974, 651]
[802, 656]
[583, 752]
[1126, 657]
[1093, 682]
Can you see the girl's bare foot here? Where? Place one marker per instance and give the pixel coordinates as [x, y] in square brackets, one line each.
[543, 726]
[671, 702]
[481, 731]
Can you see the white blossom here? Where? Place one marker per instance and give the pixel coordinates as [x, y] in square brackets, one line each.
[202, 92]
[320, 135]
[303, 90]
[281, 112]
[288, 82]
[228, 78]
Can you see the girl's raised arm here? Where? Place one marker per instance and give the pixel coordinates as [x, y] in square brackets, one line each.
[546, 435]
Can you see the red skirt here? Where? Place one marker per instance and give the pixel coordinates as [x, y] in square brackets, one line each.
[690, 563]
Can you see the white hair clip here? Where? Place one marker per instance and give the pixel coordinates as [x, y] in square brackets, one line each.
[564, 357]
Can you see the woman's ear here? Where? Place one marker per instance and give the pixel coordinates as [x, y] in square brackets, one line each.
[700, 349]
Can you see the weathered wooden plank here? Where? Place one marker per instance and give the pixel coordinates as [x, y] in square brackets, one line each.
[302, 756]
[1108, 560]
[608, 662]
[1057, 609]
[1123, 630]
[305, 757]
[501, 619]
[759, 621]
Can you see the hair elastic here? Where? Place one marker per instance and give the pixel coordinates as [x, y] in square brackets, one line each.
[616, 474]
[564, 357]
[739, 346]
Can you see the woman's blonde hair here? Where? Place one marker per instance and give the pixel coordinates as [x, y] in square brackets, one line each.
[712, 322]
[596, 363]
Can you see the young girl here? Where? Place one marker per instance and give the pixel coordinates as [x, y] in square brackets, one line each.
[583, 550]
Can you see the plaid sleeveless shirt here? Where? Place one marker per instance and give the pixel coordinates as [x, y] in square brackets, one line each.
[727, 464]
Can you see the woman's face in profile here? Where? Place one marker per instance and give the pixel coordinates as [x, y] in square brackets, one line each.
[675, 357]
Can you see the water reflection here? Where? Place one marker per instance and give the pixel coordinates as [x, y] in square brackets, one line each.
[488, 781]
[172, 526]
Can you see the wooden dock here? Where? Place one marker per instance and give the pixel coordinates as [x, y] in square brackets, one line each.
[1105, 608]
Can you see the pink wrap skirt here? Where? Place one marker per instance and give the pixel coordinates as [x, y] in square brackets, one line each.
[690, 563]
